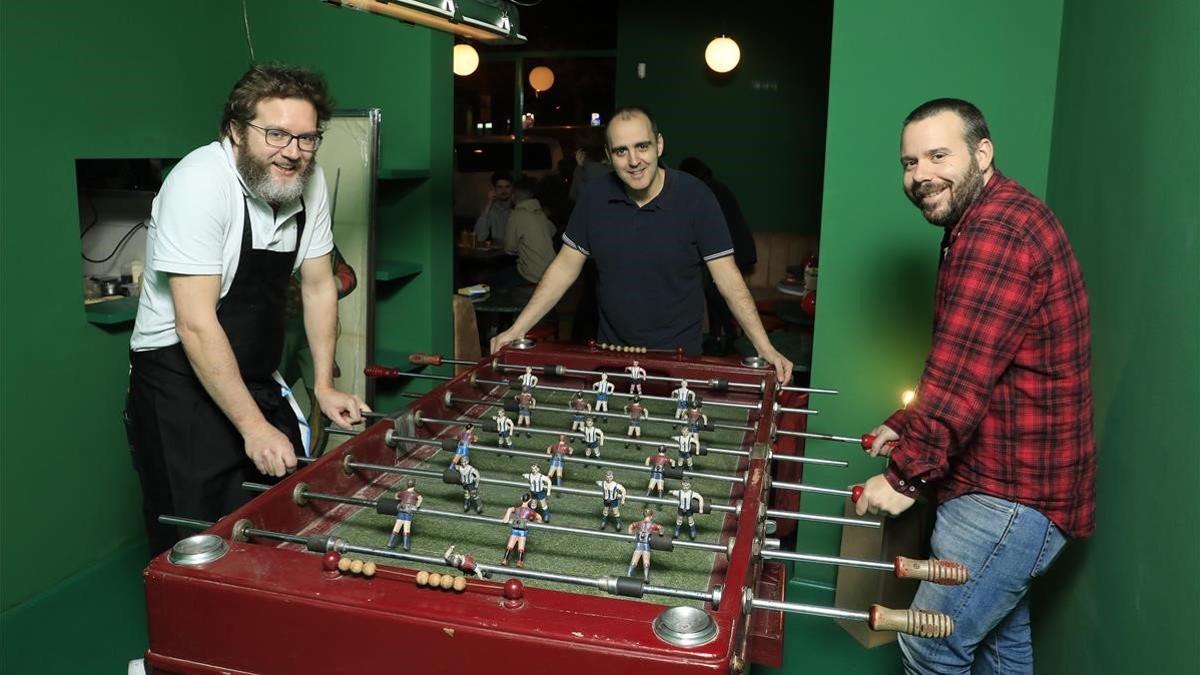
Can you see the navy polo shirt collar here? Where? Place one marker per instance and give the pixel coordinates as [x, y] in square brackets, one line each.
[616, 192]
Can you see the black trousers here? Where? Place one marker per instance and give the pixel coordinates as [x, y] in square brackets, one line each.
[190, 459]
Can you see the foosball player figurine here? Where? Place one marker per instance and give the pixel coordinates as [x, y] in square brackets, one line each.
[688, 444]
[519, 516]
[525, 403]
[468, 477]
[593, 439]
[462, 451]
[690, 501]
[603, 389]
[637, 412]
[408, 501]
[696, 419]
[504, 429]
[637, 375]
[581, 408]
[683, 396]
[539, 489]
[613, 494]
[658, 463]
[643, 530]
[528, 379]
[462, 561]
[557, 451]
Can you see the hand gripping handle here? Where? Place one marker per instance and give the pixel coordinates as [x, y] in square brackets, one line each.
[919, 622]
[944, 572]
[869, 439]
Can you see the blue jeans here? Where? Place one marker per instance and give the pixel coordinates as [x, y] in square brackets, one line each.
[1004, 545]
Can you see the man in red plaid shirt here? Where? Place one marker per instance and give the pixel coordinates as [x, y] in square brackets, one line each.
[1001, 429]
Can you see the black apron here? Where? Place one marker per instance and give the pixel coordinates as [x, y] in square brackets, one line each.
[190, 459]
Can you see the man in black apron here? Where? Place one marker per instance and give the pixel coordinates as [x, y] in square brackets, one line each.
[205, 411]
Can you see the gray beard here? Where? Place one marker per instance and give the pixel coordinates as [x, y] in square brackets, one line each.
[258, 178]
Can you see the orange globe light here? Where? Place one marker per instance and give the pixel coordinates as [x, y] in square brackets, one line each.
[541, 79]
[466, 60]
[722, 54]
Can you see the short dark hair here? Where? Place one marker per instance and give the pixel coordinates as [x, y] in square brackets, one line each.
[498, 176]
[592, 145]
[274, 80]
[975, 128]
[524, 186]
[626, 112]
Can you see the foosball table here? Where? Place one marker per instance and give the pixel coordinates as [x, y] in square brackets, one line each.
[588, 507]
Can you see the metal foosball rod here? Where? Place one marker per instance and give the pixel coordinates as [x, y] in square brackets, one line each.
[715, 384]
[623, 586]
[865, 441]
[718, 384]
[808, 390]
[441, 475]
[384, 372]
[917, 622]
[943, 572]
[348, 464]
[672, 472]
[511, 407]
[387, 506]
[701, 450]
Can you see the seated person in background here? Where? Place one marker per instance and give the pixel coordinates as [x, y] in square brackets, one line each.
[491, 223]
[529, 236]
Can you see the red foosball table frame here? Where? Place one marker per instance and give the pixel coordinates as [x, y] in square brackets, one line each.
[266, 607]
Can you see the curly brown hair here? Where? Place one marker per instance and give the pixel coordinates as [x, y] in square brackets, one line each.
[274, 80]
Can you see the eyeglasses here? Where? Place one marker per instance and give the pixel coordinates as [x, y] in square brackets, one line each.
[278, 138]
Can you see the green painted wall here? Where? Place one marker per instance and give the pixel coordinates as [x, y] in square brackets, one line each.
[146, 79]
[762, 127]
[1125, 180]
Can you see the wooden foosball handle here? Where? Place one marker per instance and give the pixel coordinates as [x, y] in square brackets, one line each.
[919, 622]
[944, 572]
[382, 372]
[422, 359]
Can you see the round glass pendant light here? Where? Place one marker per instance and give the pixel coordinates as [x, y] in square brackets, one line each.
[722, 54]
[466, 60]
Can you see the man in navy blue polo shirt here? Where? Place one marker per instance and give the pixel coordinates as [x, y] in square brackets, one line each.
[650, 230]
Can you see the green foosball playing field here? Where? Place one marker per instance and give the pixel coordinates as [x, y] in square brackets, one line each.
[565, 553]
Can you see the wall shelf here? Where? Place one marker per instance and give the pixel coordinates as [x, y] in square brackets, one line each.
[395, 270]
[112, 312]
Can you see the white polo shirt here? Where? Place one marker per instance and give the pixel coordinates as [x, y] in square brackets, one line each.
[195, 228]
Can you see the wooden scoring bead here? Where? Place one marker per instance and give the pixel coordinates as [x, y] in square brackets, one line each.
[344, 564]
[422, 578]
[435, 579]
[356, 567]
[447, 582]
[368, 569]
[460, 584]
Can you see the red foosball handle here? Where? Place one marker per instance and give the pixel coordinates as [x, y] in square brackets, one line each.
[869, 439]
[856, 493]
[381, 372]
[421, 359]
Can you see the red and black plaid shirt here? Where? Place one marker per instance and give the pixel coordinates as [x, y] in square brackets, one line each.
[1004, 406]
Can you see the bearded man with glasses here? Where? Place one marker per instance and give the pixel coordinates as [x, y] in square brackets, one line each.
[234, 219]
